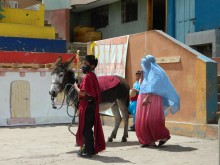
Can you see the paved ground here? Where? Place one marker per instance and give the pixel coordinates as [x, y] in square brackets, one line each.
[54, 145]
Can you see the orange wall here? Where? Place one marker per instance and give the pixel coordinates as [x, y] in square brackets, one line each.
[181, 74]
[194, 77]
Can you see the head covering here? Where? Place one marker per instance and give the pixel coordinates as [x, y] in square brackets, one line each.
[91, 59]
[156, 81]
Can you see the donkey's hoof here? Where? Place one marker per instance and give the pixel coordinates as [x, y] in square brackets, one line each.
[110, 139]
[123, 140]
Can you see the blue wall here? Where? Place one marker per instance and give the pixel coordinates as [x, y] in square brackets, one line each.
[171, 18]
[32, 45]
[212, 92]
[207, 14]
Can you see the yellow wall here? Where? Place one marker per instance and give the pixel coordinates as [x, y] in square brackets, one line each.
[28, 31]
[24, 16]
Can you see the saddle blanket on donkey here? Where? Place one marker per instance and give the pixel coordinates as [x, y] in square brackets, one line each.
[107, 82]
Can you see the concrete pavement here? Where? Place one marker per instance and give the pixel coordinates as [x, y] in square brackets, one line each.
[54, 145]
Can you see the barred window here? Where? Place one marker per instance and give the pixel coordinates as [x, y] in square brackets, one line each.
[99, 17]
[129, 10]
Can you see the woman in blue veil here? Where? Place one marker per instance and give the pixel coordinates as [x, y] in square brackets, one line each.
[157, 94]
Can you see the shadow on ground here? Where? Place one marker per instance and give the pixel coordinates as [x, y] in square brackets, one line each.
[175, 148]
[104, 159]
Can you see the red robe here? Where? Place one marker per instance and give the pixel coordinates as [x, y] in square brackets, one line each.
[91, 86]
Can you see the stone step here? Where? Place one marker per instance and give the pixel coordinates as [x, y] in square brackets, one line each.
[47, 24]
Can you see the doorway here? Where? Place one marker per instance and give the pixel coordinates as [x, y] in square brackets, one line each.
[157, 15]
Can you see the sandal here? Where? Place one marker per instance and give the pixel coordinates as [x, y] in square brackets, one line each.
[162, 142]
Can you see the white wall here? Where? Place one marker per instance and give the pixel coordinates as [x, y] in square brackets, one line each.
[40, 103]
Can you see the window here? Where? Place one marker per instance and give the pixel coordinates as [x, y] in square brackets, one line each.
[129, 10]
[98, 17]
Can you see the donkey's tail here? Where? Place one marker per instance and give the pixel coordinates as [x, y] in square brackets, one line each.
[126, 89]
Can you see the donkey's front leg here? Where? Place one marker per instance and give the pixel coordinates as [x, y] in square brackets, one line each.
[117, 118]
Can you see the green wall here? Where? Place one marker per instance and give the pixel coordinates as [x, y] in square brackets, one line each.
[115, 27]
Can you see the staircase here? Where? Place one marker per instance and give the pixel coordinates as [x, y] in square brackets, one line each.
[46, 24]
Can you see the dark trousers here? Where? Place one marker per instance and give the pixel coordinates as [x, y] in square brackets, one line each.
[89, 123]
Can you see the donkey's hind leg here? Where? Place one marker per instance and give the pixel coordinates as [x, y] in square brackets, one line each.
[117, 118]
[125, 116]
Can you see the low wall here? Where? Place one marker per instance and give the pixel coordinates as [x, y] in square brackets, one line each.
[194, 77]
[25, 99]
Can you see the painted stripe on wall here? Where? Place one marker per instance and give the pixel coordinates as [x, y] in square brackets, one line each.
[32, 45]
[27, 31]
[31, 57]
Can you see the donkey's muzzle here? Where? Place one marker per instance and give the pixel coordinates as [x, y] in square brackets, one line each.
[52, 93]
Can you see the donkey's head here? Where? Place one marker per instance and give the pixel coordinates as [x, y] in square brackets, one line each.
[60, 76]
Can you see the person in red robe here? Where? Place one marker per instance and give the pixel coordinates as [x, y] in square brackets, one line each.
[89, 98]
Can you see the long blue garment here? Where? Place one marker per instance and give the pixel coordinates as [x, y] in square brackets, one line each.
[133, 104]
[156, 81]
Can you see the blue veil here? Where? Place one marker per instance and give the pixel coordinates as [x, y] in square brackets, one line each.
[156, 81]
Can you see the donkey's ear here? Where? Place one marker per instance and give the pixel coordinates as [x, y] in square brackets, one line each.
[68, 62]
[59, 60]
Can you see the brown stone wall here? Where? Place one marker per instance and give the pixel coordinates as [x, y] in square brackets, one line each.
[23, 3]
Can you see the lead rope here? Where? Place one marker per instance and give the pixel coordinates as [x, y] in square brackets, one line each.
[68, 99]
[75, 102]
[146, 51]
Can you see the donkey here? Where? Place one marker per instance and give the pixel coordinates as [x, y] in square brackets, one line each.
[116, 98]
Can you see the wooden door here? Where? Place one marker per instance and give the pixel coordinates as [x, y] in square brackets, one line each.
[185, 18]
[20, 99]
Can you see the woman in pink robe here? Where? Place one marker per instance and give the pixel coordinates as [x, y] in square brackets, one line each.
[156, 95]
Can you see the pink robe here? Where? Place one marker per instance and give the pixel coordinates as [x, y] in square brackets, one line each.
[150, 120]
